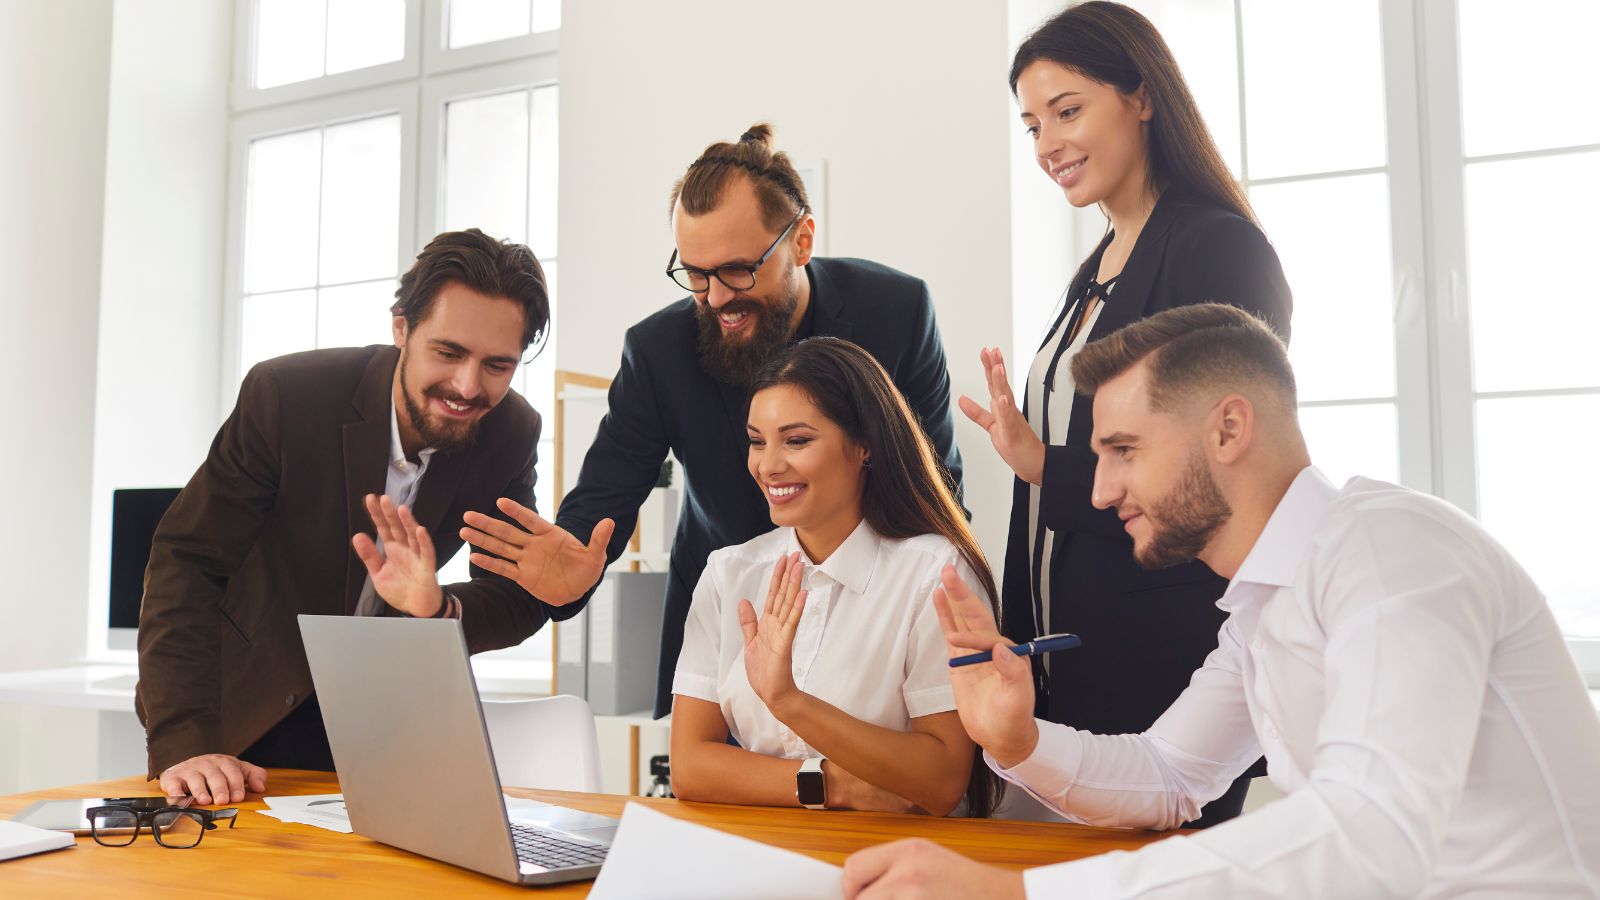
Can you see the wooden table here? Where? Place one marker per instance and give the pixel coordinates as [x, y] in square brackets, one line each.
[263, 857]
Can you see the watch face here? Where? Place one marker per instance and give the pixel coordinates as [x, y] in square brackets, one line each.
[809, 786]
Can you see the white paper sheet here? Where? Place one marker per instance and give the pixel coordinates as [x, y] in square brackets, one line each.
[657, 856]
[322, 810]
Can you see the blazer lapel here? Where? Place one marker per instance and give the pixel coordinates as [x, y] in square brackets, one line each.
[366, 457]
[828, 315]
[1129, 300]
[1131, 295]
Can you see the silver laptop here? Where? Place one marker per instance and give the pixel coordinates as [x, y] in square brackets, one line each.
[413, 757]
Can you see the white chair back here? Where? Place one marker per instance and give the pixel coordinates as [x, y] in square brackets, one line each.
[546, 743]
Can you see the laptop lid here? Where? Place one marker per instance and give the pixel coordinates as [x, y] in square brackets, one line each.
[408, 738]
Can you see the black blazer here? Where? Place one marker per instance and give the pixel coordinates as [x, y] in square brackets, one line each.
[1144, 633]
[662, 399]
[262, 533]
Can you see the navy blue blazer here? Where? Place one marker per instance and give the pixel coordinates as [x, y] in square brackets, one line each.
[661, 399]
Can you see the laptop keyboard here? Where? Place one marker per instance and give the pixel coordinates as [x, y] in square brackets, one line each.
[542, 848]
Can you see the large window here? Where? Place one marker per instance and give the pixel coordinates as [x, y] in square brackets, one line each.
[1433, 217]
[363, 128]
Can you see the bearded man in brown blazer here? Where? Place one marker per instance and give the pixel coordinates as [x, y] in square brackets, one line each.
[401, 440]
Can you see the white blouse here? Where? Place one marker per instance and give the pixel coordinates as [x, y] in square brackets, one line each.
[868, 643]
[1059, 406]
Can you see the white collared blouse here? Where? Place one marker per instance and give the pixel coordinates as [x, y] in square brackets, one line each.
[868, 643]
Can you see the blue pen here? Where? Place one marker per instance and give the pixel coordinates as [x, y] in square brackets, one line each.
[1048, 643]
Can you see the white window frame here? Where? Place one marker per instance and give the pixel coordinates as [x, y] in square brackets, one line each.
[1435, 398]
[398, 99]
[246, 96]
[417, 87]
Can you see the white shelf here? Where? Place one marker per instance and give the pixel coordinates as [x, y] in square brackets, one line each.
[103, 687]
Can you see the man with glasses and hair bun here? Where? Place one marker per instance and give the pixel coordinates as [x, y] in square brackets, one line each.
[744, 238]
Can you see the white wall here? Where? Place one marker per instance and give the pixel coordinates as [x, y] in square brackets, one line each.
[161, 297]
[53, 96]
[112, 176]
[905, 101]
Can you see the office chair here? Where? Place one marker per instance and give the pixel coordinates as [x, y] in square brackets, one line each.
[546, 743]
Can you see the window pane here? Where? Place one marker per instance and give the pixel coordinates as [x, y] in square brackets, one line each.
[289, 37]
[364, 33]
[1203, 40]
[355, 315]
[1531, 243]
[1332, 236]
[480, 21]
[1538, 497]
[542, 167]
[275, 324]
[1346, 441]
[1504, 110]
[361, 200]
[486, 165]
[1313, 76]
[546, 15]
[280, 232]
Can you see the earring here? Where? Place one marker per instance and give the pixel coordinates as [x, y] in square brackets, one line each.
[866, 463]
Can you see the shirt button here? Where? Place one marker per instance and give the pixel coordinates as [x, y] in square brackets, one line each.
[288, 700]
[1255, 644]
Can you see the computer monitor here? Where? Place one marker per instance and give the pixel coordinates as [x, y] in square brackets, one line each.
[135, 513]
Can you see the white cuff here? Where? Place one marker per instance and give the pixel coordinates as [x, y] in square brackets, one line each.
[1051, 768]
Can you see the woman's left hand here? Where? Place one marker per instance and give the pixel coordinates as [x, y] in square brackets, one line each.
[1009, 431]
[769, 642]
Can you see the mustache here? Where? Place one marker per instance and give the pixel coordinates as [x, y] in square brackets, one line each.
[443, 394]
[736, 305]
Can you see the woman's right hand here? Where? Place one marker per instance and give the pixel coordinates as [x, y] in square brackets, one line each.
[1009, 431]
[846, 791]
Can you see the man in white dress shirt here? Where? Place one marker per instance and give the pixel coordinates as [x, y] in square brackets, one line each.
[1402, 674]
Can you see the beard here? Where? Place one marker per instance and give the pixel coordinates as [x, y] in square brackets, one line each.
[737, 361]
[435, 430]
[1184, 521]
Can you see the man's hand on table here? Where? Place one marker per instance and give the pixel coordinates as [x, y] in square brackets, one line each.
[213, 778]
[922, 869]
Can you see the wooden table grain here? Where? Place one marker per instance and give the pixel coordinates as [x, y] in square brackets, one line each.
[263, 857]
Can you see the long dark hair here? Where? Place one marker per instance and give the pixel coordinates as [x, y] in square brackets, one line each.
[908, 493]
[1115, 45]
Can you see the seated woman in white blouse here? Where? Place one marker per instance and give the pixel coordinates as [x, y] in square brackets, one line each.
[846, 664]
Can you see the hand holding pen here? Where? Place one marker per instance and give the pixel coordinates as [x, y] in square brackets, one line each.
[995, 698]
[1039, 646]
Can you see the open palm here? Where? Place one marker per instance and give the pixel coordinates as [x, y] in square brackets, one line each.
[403, 573]
[769, 641]
[994, 699]
[1009, 431]
[544, 558]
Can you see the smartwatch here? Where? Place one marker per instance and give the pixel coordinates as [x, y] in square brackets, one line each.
[809, 787]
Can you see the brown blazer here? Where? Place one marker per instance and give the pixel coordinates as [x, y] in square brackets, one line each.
[262, 533]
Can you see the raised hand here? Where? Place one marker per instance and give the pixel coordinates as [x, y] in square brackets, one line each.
[994, 699]
[404, 573]
[544, 558]
[1009, 431]
[769, 642]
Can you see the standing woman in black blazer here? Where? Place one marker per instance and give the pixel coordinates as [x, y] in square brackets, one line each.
[1114, 124]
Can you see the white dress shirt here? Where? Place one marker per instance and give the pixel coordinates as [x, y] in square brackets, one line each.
[1413, 696]
[401, 484]
[868, 642]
